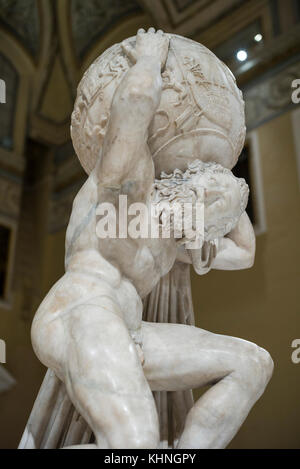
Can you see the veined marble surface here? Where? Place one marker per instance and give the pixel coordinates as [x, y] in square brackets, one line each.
[157, 117]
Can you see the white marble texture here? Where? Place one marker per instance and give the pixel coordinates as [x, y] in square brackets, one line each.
[157, 103]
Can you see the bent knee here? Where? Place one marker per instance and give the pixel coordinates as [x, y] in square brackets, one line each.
[255, 368]
[266, 363]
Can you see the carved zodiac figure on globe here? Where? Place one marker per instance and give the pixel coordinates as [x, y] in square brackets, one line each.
[156, 117]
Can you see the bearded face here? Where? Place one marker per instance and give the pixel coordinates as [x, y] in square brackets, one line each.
[223, 196]
[223, 199]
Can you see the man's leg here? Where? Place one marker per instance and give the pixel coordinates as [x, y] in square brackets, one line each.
[91, 350]
[183, 357]
[106, 382]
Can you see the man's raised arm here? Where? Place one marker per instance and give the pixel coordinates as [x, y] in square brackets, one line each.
[125, 152]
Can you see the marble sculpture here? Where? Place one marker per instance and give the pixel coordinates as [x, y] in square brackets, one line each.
[157, 118]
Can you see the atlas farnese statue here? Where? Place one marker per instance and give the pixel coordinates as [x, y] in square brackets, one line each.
[158, 118]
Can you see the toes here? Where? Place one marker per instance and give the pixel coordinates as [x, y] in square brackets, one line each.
[151, 30]
[141, 31]
[160, 32]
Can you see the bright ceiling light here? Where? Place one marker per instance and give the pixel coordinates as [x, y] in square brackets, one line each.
[258, 37]
[242, 55]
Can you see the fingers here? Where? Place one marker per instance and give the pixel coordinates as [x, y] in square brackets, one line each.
[129, 51]
[151, 31]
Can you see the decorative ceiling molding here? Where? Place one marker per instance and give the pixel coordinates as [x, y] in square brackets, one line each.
[271, 95]
[48, 132]
[64, 29]
[50, 123]
[21, 61]
[262, 57]
[186, 17]
[7, 110]
[10, 195]
[56, 100]
[273, 52]
[91, 20]
[181, 10]
[22, 20]
[62, 69]
[182, 5]
[238, 19]
[48, 45]
[125, 29]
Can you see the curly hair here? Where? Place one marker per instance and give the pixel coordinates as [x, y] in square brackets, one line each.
[183, 187]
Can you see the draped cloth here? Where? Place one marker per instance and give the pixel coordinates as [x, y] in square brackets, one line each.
[55, 423]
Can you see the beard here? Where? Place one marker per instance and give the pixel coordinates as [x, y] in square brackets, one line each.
[173, 192]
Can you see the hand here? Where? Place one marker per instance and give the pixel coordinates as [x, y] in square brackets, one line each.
[148, 44]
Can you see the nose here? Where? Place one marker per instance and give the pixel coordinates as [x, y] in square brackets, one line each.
[211, 196]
